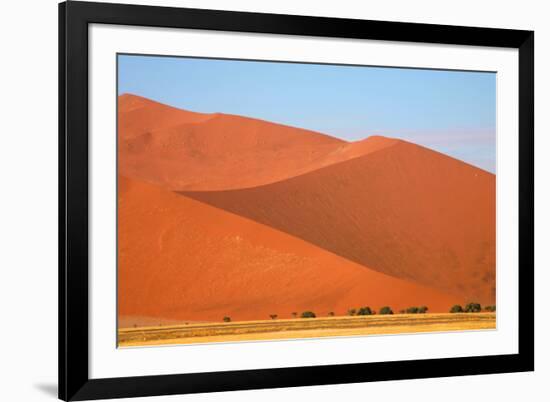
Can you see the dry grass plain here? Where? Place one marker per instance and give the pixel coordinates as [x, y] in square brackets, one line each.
[304, 328]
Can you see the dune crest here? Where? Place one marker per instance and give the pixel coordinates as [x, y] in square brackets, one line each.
[190, 151]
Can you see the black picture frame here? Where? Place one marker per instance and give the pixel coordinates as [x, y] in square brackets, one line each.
[74, 18]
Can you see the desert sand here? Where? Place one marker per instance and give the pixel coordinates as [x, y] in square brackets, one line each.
[222, 215]
[185, 260]
[182, 150]
[404, 210]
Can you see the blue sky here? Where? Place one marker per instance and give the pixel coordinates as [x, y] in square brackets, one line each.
[450, 111]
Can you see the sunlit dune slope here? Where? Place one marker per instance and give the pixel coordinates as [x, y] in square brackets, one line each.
[183, 150]
[403, 210]
[180, 259]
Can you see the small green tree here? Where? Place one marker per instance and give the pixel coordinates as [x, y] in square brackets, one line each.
[457, 308]
[422, 310]
[352, 311]
[412, 310]
[273, 316]
[226, 319]
[472, 308]
[308, 314]
[491, 309]
[386, 310]
[364, 311]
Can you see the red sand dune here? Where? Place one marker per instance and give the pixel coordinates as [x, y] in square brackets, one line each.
[184, 150]
[404, 210]
[271, 219]
[180, 259]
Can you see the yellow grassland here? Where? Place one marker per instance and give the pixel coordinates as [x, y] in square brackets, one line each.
[304, 328]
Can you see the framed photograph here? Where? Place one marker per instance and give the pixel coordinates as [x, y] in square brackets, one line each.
[257, 200]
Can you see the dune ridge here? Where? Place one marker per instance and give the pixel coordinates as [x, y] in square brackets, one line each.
[190, 151]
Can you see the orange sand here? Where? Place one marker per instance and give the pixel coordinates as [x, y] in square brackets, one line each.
[405, 211]
[183, 150]
[222, 215]
[181, 259]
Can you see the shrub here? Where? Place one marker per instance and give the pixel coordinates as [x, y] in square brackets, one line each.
[226, 319]
[491, 309]
[273, 316]
[294, 314]
[386, 310]
[331, 313]
[457, 308]
[472, 308]
[402, 311]
[308, 314]
[352, 311]
[422, 310]
[364, 311]
[412, 310]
